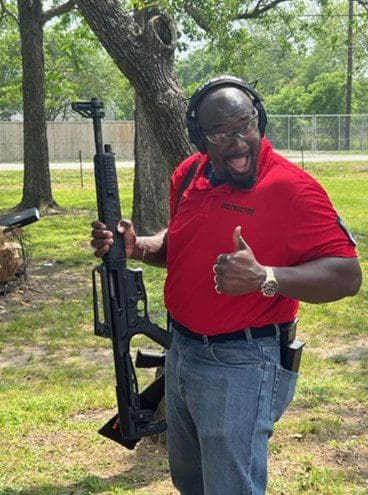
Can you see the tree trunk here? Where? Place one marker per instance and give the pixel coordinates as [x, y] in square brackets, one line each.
[144, 52]
[151, 182]
[37, 181]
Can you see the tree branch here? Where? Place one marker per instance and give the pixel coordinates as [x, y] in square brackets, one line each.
[56, 11]
[363, 3]
[102, 16]
[201, 20]
[260, 8]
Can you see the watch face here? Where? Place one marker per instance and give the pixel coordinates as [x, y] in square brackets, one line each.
[269, 288]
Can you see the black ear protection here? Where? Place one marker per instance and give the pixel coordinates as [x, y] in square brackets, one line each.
[194, 131]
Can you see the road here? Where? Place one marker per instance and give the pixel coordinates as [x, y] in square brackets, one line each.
[308, 156]
[291, 155]
[64, 165]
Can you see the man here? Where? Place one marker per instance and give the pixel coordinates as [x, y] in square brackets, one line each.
[249, 237]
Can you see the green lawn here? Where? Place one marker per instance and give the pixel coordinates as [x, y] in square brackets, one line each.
[57, 378]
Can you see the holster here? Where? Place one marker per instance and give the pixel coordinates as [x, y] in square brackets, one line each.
[290, 348]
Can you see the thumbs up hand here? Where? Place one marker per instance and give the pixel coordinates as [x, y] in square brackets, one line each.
[238, 272]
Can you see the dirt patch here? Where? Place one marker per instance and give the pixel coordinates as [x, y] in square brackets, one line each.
[343, 448]
[12, 357]
[44, 283]
[356, 350]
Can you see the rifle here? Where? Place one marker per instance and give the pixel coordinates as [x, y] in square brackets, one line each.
[124, 306]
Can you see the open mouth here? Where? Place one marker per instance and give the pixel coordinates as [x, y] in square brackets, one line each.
[238, 164]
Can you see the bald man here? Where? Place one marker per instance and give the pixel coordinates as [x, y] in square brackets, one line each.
[249, 237]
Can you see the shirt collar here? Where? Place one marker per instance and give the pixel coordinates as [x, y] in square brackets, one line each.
[205, 179]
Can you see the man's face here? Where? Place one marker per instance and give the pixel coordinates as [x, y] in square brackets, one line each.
[235, 157]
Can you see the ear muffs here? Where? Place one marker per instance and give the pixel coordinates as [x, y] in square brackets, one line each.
[194, 132]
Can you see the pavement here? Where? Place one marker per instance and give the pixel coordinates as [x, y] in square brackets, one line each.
[72, 165]
[315, 157]
[294, 156]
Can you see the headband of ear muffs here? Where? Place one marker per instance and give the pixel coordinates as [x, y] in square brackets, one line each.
[194, 132]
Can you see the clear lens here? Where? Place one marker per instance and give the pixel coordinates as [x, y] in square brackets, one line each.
[244, 132]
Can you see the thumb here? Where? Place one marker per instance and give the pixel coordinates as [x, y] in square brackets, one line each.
[239, 242]
[124, 226]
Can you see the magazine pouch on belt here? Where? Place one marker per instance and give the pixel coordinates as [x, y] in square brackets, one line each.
[291, 349]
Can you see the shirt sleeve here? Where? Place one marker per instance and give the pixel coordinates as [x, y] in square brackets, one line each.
[315, 229]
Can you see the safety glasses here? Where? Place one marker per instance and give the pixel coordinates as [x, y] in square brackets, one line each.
[243, 133]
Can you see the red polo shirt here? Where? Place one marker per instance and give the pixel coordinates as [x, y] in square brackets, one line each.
[286, 218]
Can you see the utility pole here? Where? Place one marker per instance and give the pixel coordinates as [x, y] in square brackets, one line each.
[349, 78]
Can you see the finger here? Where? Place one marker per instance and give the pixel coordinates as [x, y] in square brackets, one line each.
[99, 243]
[239, 242]
[101, 250]
[223, 258]
[97, 225]
[219, 269]
[101, 234]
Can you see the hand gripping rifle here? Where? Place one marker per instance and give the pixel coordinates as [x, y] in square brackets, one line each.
[124, 306]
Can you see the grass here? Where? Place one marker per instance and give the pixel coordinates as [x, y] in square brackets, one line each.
[57, 378]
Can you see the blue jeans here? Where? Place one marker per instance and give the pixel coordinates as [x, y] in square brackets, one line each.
[222, 401]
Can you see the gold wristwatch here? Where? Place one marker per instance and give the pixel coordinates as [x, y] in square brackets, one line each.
[270, 285]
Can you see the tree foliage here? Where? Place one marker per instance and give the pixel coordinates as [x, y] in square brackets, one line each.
[76, 67]
[10, 73]
[295, 49]
[297, 56]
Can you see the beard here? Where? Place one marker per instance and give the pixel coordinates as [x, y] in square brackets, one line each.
[240, 181]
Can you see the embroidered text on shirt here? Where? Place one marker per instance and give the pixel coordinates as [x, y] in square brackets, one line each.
[237, 208]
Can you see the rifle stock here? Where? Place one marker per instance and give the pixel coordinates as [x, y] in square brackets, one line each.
[124, 304]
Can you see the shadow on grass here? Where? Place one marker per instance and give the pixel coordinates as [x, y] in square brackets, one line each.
[88, 485]
[149, 466]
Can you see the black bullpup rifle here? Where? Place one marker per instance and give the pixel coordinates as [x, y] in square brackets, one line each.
[124, 306]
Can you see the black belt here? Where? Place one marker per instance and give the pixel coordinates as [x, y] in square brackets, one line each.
[255, 332]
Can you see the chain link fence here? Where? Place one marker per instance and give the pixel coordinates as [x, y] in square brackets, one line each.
[318, 132]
